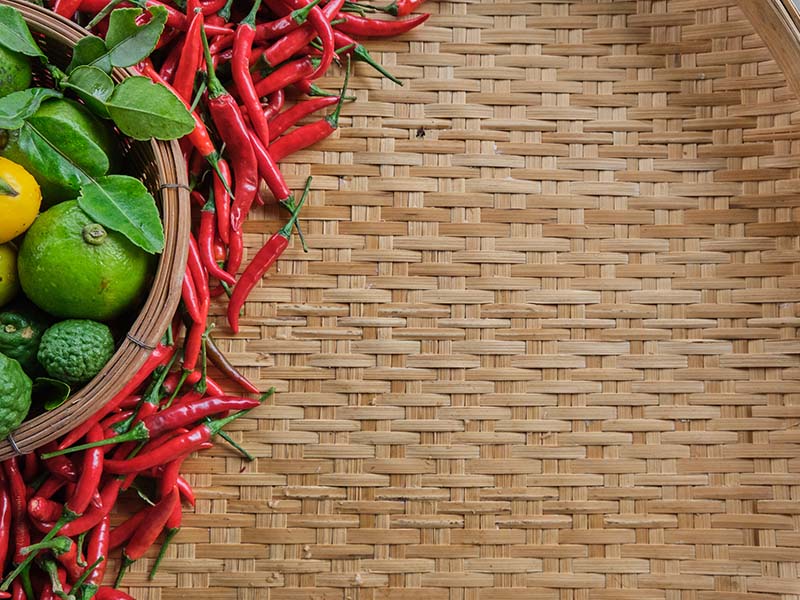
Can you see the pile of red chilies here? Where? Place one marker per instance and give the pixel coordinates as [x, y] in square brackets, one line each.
[56, 537]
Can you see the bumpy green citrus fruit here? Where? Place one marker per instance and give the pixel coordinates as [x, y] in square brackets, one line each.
[21, 331]
[75, 350]
[77, 134]
[15, 395]
[15, 72]
[73, 268]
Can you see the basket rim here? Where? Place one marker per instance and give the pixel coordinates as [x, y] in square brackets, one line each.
[162, 300]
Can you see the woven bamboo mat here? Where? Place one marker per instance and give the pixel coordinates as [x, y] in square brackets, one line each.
[543, 346]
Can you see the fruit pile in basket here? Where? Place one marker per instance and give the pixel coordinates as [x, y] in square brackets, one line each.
[240, 79]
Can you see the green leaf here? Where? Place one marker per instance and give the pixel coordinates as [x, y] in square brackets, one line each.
[72, 142]
[51, 393]
[143, 110]
[17, 107]
[14, 33]
[44, 157]
[127, 42]
[90, 50]
[123, 204]
[93, 86]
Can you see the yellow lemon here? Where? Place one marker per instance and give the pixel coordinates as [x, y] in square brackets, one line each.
[20, 199]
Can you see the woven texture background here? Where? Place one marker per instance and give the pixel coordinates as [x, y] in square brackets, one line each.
[544, 343]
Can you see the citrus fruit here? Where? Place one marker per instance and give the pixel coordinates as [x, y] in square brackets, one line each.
[20, 199]
[15, 395]
[73, 132]
[20, 334]
[73, 268]
[74, 351]
[9, 281]
[15, 72]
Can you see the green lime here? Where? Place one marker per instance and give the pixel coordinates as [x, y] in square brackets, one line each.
[77, 134]
[73, 268]
[15, 395]
[15, 72]
[75, 350]
[9, 281]
[20, 333]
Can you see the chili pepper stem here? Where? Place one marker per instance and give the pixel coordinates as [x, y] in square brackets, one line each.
[286, 230]
[137, 433]
[26, 582]
[236, 446]
[250, 19]
[80, 560]
[126, 563]
[300, 15]
[104, 12]
[333, 118]
[363, 54]
[171, 533]
[225, 11]
[290, 206]
[86, 573]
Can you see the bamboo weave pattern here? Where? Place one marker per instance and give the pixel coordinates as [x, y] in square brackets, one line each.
[544, 344]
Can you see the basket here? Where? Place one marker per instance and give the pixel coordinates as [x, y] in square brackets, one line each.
[163, 171]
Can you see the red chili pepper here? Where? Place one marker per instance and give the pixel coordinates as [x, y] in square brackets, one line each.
[191, 55]
[285, 75]
[212, 387]
[240, 69]
[193, 344]
[310, 134]
[147, 532]
[262, 261]
[161, 355]
[169, 481]
[402, 8]
[109, 593]
[60, 466]
[187, 413]
[185, 490]
[290, 117]
[30, 466]
[6, 509]
[89, 480]
[66, 8]
[321, 24]
[206, 244]
[235, 251]
[181, 444]
[190, 298]
[16, 489]
[44, 510]
[97, 550]
[233, 130]
[363, 27]
[269, 171]
[123, 532]
[170, 64]
[276, 101]
[17, 591]
[199, 274]
[222, 201]
[212, 6]
[94, 515]
[288, 45]
[49, 488]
